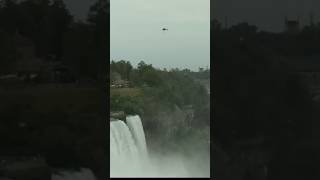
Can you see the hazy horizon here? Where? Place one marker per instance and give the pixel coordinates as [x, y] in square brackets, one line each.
[136, 32]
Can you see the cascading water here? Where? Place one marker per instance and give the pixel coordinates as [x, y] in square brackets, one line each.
[128, 151]
[135, 125]
[129, 154]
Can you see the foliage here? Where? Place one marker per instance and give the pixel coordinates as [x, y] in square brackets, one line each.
[50, 28]
[162, 91]
[256, 91]
[122, 67]
[47, 27]
[131, 105]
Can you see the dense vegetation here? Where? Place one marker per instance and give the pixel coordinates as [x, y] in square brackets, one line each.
[258, 93]
[51, 29]
[60, 123]
[163, 98]
[170, 88]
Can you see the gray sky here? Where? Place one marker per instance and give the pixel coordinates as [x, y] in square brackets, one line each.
[266, 14]
[136, 32]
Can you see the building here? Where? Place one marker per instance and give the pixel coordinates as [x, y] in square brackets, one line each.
[120, 84]
[292, 26]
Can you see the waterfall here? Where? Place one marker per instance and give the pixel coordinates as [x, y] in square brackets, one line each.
[129, 156]
[128, 151]
[135, 125]
[84, 174]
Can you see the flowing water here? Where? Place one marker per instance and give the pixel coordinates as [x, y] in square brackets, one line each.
[129, 156]
[127, 150]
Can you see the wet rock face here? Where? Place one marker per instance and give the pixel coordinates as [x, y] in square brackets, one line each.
[117, 115]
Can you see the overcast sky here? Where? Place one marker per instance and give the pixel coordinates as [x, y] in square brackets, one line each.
[136, 32]
[266, 14]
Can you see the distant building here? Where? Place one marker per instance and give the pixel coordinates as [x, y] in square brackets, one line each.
[114, 76]
[120, 84]
[116, 81]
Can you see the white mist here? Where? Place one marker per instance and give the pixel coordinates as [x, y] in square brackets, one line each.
[129, 156]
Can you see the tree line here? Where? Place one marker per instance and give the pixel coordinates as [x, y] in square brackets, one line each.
[257, 92]
[169, 88]
[49, 25]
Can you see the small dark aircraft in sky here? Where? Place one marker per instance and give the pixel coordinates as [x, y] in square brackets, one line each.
[164, 29]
